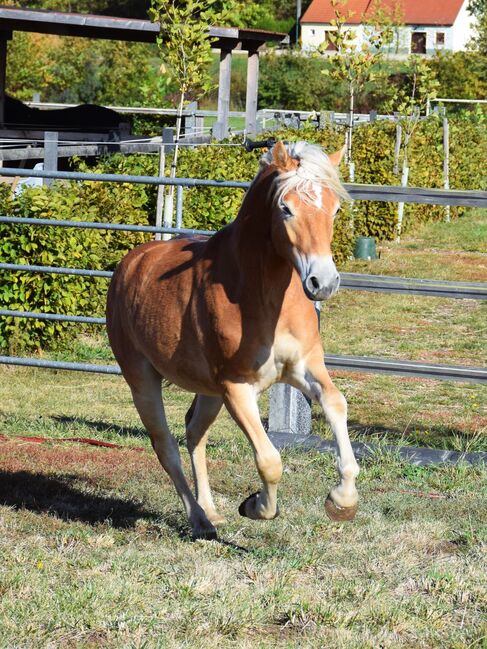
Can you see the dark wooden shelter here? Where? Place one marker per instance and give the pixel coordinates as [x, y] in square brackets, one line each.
[227, 39]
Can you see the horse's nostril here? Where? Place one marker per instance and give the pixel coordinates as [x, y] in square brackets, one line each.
[314, 282]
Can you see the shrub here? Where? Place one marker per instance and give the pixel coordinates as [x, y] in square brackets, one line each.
[54, 246]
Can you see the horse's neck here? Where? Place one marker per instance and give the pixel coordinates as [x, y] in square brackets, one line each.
[253, 222]
[262, 271]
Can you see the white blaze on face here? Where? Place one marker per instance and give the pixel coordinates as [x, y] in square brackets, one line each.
[317, 189]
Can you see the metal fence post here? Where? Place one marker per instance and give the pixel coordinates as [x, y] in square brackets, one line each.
[446, 162]
[167, 140]
[160, 192]
[179, 206]
[397, 147]
[190, 120]
[50, 154]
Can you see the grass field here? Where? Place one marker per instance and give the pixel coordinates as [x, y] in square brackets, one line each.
[96, 551]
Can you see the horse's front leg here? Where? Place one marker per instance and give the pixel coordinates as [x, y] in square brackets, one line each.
[313, 379]
[241, 402]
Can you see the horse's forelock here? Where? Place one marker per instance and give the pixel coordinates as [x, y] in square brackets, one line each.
[315, 168]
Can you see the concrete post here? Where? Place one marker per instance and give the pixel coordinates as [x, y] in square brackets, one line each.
[289, 409]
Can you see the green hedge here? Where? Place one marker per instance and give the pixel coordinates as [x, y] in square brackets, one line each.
[55, 246]
[205, 208]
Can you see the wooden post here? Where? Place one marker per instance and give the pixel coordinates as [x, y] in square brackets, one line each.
[50, 154]
[220, 129]
[446, 163]
[252, 88]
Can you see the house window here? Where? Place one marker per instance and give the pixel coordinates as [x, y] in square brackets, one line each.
[440, 39]
[418, 43]
[313, 32]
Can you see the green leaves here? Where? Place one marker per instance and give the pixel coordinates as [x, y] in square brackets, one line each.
[185, 43]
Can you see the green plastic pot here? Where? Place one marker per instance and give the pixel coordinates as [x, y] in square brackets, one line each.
[365, 248]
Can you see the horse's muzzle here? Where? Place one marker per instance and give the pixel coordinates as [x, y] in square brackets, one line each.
[322, 279]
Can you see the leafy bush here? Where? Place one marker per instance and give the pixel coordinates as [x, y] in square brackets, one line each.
[54, 246]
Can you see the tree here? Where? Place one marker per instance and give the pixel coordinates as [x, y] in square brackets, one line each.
[479, 9]
[353, 62]
[410, 102]
[185, 44]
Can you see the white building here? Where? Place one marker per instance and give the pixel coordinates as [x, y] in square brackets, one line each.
[425, 26]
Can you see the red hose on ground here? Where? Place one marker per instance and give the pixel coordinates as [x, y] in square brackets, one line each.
[79, 440]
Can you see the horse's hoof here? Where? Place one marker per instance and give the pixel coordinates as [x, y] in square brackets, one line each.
[339, 513]
[205, 534]
[249, 512]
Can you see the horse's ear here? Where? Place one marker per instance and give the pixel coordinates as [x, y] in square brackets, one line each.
[280, 156]
[336, 158]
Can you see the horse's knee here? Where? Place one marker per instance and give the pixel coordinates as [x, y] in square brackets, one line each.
[269, 466]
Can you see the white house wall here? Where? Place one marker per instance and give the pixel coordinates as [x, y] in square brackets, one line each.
[456, 36]
[464, 29]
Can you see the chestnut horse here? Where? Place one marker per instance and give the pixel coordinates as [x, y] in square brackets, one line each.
[227, 316]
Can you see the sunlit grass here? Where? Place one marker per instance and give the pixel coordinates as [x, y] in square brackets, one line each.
[96, 550]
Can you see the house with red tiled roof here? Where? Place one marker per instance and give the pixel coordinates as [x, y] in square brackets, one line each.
[421, 26]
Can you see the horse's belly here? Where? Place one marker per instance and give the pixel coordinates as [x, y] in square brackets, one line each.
[182, 361]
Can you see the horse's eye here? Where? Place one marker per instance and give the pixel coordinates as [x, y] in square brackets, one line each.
[286, 212]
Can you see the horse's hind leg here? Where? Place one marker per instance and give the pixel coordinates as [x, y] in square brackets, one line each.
[200, 416]
[145, 384]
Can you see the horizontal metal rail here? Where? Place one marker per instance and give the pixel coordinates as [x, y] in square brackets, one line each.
[57, 270]
[414, 286]
[383, 193]
[52, 316]
[60, 365]
[97, 225]
[351, 281]
[346, 363]
[407, 368]
[125, 178]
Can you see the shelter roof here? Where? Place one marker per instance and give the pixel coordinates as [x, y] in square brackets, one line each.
[410, 12]
[124, 29]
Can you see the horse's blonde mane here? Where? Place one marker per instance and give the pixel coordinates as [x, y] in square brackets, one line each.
[315, 168]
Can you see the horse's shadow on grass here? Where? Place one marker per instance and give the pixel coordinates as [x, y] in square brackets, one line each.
[62, 496]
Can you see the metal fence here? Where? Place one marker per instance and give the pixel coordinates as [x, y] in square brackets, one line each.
[351, 281]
